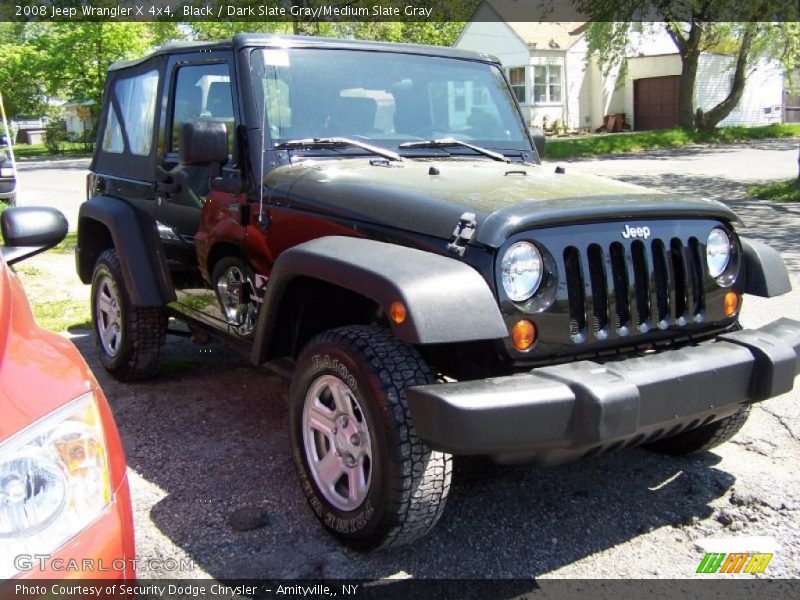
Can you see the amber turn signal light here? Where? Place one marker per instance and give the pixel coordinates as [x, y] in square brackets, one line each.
[731, 303]
[397, 311]
[523, 334]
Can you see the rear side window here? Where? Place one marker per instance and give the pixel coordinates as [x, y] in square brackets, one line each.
[112, 138]
[136, 99]
[202, 93]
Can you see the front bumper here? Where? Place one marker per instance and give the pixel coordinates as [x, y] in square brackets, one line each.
[554, 414]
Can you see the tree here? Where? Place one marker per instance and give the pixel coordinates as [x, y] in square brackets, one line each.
[24, 91]
[79, 54]
[695, 26]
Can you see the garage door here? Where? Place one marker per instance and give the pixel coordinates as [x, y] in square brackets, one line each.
[655, 102]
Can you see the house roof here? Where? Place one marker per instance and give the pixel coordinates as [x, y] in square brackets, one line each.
[531, 23]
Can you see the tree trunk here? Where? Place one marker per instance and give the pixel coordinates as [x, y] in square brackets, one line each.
[798, 170]
[689, 51]
[708, 121]
[686, 89]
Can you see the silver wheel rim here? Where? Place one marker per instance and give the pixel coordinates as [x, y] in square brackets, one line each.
[109, 315]
[242, 315]
[337, 443]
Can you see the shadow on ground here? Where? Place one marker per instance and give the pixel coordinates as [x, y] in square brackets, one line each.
[211, 432]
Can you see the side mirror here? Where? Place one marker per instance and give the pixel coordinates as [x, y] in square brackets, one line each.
[537, 137]
[203, 143]
[28, 230]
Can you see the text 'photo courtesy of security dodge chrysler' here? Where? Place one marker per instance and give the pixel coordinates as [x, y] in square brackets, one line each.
[374, 222]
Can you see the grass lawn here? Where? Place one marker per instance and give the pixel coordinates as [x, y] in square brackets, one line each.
[780, 191]
[59, 300]
[614, 143]
[71, 149]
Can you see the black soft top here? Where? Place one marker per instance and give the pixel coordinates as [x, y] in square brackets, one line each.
[266, 40]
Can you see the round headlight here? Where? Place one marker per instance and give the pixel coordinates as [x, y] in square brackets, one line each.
[718, 252]
[521, 269]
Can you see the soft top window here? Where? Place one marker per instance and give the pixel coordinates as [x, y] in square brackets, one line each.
[137, 100]
[127, 140]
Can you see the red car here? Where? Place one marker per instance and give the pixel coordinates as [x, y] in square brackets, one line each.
[65, 508]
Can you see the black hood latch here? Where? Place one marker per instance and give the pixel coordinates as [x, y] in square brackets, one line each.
[463, 233]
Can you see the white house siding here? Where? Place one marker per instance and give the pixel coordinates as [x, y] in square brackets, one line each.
[762, 99]
[495, 37]
[578, 87]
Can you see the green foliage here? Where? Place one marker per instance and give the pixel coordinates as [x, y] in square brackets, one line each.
[68, 60]
[21, 83]
[781, 191]
[55, 136]
[667, 138]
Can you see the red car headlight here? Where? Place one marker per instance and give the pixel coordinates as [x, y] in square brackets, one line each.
[54, 481]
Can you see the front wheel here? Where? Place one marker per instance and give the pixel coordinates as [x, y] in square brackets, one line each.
[129, 338]
[367, 476]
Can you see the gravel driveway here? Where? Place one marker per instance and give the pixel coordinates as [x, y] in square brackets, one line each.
[208, 451]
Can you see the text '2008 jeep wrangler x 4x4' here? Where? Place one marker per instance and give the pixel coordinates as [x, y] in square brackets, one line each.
[375, 220]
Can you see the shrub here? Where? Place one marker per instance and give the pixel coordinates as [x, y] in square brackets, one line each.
[55, 136]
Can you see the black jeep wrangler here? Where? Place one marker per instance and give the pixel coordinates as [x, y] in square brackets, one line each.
[374, 221]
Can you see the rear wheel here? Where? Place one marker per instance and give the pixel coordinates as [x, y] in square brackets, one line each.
[703, 438]
[129, 338]
[367, 476]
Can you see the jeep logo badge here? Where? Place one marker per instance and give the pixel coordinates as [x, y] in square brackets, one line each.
[635, 232]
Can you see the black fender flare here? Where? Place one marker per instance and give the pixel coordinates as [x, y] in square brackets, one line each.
[446, 300]
[137, 246]
[764, 270]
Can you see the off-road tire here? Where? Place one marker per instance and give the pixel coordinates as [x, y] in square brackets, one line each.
[143, 330]
[410, 482]
[702, 438]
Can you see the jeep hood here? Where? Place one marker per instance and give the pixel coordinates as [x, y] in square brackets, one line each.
[428, 196]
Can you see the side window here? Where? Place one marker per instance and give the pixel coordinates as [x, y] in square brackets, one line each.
[202, 93]
[137, 101]
[112, 135]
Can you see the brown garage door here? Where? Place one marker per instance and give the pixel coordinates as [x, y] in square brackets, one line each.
[655, 102]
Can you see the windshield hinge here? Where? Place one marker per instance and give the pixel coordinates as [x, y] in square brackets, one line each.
[462, 234]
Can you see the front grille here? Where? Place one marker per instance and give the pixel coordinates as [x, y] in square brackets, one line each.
[630, 287]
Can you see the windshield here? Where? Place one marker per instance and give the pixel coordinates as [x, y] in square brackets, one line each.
[385, 98]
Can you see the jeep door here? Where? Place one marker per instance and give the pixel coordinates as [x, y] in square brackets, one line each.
[200, 90]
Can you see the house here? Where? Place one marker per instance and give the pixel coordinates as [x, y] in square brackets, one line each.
[79, 118]
[546, 64]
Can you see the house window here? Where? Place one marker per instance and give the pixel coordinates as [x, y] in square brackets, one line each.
[516, 77]
[547, 83]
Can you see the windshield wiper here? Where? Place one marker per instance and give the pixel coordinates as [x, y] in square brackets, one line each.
[341, 142]
[444, 142]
